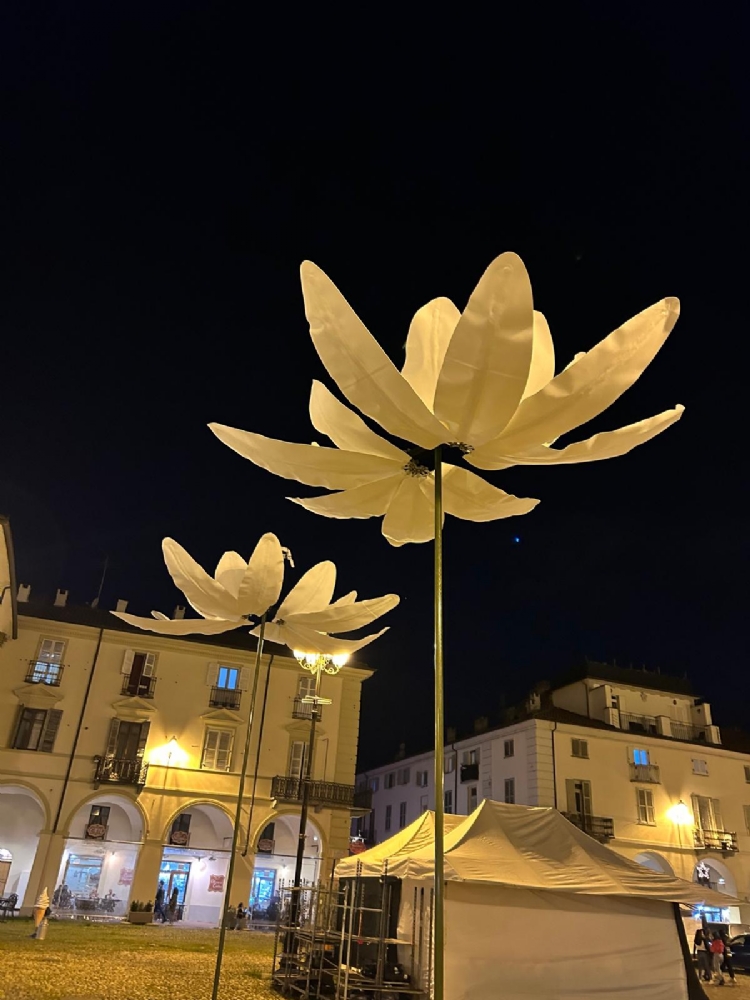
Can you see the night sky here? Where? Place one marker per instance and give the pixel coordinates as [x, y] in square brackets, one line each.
[167, 166]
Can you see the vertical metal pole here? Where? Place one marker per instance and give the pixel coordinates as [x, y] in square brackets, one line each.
[306, 787]
[439, 728]
[237, 818]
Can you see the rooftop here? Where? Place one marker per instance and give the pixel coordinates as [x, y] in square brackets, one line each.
[631, 676]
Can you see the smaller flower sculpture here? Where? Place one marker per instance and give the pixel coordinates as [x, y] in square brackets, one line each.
[241, 592]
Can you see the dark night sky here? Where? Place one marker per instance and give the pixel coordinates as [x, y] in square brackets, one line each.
[166, 167]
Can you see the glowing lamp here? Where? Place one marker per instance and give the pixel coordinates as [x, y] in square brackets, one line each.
[680, 815]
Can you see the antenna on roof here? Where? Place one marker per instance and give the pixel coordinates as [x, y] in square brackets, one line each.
[95, 602]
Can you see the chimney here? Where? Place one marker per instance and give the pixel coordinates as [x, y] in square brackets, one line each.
[61, 598]
[401, 751]
[450, 734]
[24, 591]
[481, 724]
[179, 612]
[122, 606]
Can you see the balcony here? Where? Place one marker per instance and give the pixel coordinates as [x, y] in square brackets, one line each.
[224, 698]
[638, 723]
[40, 672]
[645, 772]
[601, 828]
[684, 731]
[142, 687]
[716, 840]
[322, 793]
[120, 771]
[470, 772]
[304, 710]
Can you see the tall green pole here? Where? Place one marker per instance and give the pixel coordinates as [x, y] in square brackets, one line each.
[438, 933]
[238, 817]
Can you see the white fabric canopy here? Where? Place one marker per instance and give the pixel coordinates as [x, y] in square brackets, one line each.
[527, 847]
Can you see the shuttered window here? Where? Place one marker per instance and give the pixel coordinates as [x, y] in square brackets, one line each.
[37, 729]
[217, 750]
[645, 800]
[297, 758]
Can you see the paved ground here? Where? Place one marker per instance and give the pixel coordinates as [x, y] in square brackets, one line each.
[82, 961]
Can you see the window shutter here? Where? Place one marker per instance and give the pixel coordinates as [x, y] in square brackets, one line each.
[17, 725]
[127, 661]
[570, 790]
[696, 810]
[143, 739]
[588, 807]
[114, 732]
[224, 751]
[212, 675]
[244, 682]
[49, 733]
[716, 808]
[149, 665]
[747, 817]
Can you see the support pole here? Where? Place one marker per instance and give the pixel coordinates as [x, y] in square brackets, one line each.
[439, 938]
[237, 817]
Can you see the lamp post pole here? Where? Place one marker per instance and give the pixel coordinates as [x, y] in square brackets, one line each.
[306, 789]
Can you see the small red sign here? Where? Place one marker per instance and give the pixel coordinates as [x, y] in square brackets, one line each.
[357, 846]
[216, 883]
[126, 876]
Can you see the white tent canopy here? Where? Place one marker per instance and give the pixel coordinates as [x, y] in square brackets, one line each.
[417, 835]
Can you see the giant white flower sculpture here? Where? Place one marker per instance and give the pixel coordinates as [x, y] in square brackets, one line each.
[482, 381]
[240, 591]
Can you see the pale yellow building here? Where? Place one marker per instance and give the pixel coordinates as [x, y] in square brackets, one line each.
[120, 763]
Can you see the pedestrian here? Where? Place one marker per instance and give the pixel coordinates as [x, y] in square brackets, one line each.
[159, 903]
[717, 953]
[241, 924]
[728, 967]
[701, 950]
[173, 905]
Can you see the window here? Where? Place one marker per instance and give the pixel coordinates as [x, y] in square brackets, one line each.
[579, 748]
[472, 798]
[228, 678]
[707, 814]
[470, 757]
[403, 776]
[448, 800]
[450, 765]
[747, 772]
[387, 817]
[579, 797]
[402, 815]
[99, 816]
[422, 779]
[423, 804]
[180, 832]
[390, 779]
[510, 790]
[374, 784]
[217, 750]
[700, 767]
[47, 667]
[641, 757]
[139, 673]
[297, 759]
[646, 812]
[37, 729]
[509, 748]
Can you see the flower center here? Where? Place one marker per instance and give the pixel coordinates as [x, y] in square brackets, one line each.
[465, 449]
[415, 468]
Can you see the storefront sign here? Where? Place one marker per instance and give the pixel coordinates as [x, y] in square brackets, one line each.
[95, 831]
[216, 883]
[126, 876]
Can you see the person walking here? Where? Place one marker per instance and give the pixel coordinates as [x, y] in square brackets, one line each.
[173, 905]
[728, 967]
[701, 950]
[159, 903]
[241, 924]
[717, 953]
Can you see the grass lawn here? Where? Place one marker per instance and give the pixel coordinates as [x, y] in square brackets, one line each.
[89, 961]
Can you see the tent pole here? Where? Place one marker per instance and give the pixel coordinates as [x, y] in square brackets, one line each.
[439, 728]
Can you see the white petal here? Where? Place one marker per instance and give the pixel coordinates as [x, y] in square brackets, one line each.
[310, 641]
[349, 598]
[180, 626]
[360, 367]
[312, 591]
[608, 444]
[593, 382]
[363, 501]
[427, 341]
[337, 470]
[261, 583]
[542, 357]
[348, 617]
[347, 429]
[203, 593]
[469, 497]
[411, 513]
[487, 363]
[229, 572]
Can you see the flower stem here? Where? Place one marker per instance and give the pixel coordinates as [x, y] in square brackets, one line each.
[439, 727]
[237, 817]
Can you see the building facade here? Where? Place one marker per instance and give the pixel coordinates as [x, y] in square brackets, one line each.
[630, 757]
[120, 761]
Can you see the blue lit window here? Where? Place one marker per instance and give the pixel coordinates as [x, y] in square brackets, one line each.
[640, 757]
[228, 677]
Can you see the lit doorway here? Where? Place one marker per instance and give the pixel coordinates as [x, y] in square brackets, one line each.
[175, 875]
[82, 875]
[262, 893]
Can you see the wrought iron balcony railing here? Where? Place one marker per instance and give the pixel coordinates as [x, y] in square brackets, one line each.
[599, 827]
[638, 723]
[120, 771]
[40, 672]
[716, 840]
[142, 687]
[645, 772]
[322, 793]
[304, 710]
[224, 698]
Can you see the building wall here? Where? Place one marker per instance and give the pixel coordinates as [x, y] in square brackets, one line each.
[179, 710]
